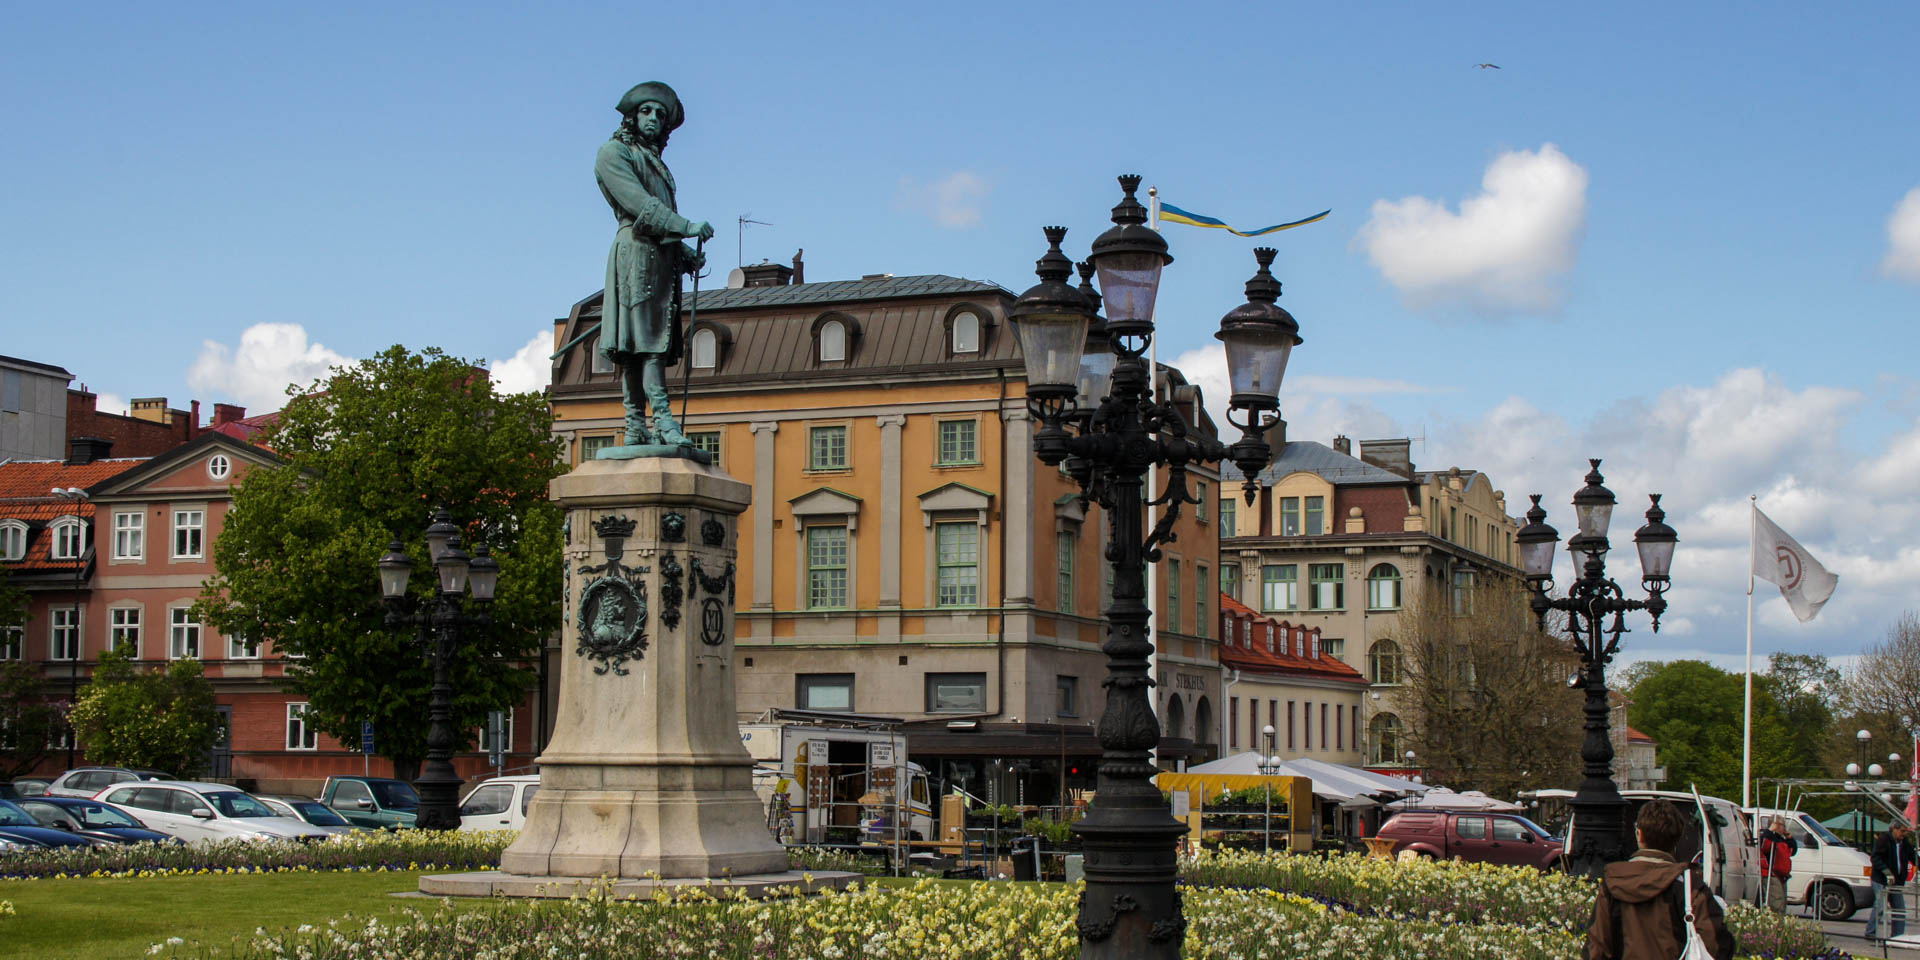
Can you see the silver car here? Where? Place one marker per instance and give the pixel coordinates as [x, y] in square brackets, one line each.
[207, 811]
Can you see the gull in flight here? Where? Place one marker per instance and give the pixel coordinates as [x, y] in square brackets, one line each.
[1488, 66]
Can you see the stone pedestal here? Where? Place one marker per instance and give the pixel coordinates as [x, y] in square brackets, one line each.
[645, 776]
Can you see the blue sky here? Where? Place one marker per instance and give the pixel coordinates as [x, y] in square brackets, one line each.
[1661, 235]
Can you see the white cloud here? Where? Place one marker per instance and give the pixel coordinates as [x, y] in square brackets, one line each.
[111, 403]
[529, 369]
[1316, 406]
[1903, 239]
[256, 374]
[1506, 251]
[955, 200]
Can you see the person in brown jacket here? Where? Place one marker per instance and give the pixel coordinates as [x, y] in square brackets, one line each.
[1637, 915]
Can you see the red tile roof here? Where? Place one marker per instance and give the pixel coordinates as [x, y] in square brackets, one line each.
[26, 494]
[1244, 640]
[245, 428]
[1633, 734]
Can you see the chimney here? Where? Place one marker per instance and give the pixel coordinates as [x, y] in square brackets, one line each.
[150, 409]
[799, 269]
[88, 449]
[1277, 437]
[193, 421]
[227, 413]
[1343, 445]
[1393, 456]
[768, 274]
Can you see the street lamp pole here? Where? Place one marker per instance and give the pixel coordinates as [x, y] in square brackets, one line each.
[1269, 767]
[79, 647]
[1119, 428]
[1599, 812]
[440, 622]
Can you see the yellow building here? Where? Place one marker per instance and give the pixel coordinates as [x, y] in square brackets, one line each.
[905, 554]
[1342, 543]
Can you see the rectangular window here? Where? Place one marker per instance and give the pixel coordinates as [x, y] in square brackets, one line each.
[826, 568]
[123, 627]
[957, 442]
[958, 548]
[1289, 724]
[1453, 524]
[63, 628]
[13, 643]
[1306, 725]
[184, 636]
[1230, 580]
[601, 363]
[129, 536]
[1462, 592]
[1200, 620]
[827, 448]
[590, 447]
[824, 691]
[1233, 723]
[1334, 647]
[1323, 726]
[1064, 546]
[1339, 729]
[1328, 587]
[1316, 516]
[1200, 493]
[1066, 696]
[956, 693]
[1229, 515]
[242, 647]
[1173, 596]
[188, 527]
[13, 541]
[1279, 586]
[67, 535]
[1289, 516]
[299, 735]
[708, 440]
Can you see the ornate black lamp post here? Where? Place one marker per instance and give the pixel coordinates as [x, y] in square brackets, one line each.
[1600, 831]
[439, 622]
[1099, 416]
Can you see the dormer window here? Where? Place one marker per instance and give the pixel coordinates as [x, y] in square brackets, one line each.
[13, 540]
[966, 332]
[833, 341]
[67, 535]
[706, 350]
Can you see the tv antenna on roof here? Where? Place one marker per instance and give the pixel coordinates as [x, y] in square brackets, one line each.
[738, 243]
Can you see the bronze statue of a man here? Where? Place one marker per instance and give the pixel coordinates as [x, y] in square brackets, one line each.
[639, 328]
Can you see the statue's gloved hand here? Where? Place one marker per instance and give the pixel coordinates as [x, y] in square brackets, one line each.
[699, 230]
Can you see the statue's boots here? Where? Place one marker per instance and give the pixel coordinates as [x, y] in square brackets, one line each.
[637, 430]
[666, 430]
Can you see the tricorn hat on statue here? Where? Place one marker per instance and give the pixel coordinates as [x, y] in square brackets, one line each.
[659, 93]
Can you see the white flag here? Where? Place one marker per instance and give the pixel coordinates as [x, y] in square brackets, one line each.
[1783, 562]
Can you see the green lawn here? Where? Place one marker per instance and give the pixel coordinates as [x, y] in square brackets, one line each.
[120, 918]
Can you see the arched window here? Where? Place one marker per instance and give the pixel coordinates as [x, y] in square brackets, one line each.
[1383, 587]
[1383, 740]
[1176, 716]
[1383, 662]
[833, 341]
[966, 332]
[706, 350]
[68, 532]
[1202, 721]
[13, 540]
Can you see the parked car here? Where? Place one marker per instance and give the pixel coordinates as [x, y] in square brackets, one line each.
[18, 828]
[499, 803]
[1839, 877]
[309, 810]
[88, 781]
[377, 802]
[31, 786]
[93, 819]
[1481, 837]
[206, 811]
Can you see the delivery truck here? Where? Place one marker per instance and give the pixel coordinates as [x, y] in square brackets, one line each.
[838, 779]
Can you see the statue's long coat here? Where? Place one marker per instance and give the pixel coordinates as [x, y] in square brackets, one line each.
[643, 268]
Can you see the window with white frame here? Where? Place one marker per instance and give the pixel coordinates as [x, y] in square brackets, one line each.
[958, 443]
[706, 349]
[299, 735]
[123, 627]
[966, 332]
[189, 529]
[13, 540]
[63, 630]
[129, 535]
[68, 533]
[833, 341]
[242, 647]
[600, 362]
[218, 466]
[13, 643]
[957, 547]
[184, 634]
[1383, 587]
[1200, 494]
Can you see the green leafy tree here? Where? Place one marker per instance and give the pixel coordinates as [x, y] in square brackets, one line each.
[369, 451]
[163, 718]
[28, 720]
[1695, 712]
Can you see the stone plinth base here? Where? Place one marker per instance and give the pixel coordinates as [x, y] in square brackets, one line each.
[491, 883]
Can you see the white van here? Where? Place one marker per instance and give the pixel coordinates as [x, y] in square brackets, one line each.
[1841, 876]
[499, 803]
[1723, 841]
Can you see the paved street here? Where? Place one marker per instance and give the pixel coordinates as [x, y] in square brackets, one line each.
[1849, 935]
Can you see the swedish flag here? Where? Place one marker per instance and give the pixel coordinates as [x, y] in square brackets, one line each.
[1173, 214]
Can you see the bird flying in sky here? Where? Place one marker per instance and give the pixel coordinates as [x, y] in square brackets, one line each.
[1488, 66]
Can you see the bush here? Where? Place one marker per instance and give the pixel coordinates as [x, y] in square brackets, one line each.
[384, 850]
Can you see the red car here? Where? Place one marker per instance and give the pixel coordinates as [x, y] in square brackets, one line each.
[1503, 838]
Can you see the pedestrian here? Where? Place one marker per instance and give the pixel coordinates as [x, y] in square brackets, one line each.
[1639, 914]
[1892, 859]
[1777, 848]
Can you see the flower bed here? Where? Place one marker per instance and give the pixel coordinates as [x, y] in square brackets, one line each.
[384, 850]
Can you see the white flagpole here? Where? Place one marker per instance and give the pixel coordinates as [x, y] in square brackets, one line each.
[1746, 737]
[1153, 472]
